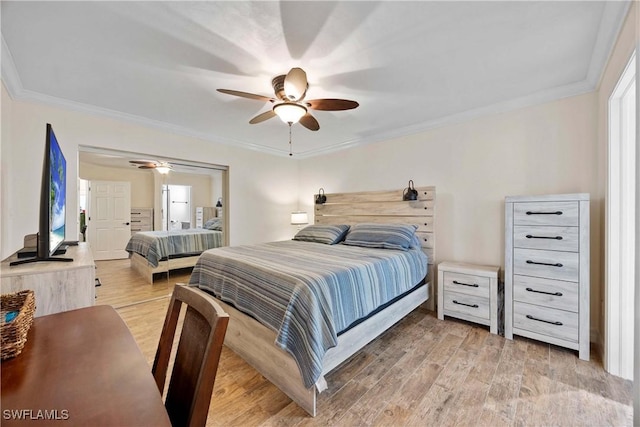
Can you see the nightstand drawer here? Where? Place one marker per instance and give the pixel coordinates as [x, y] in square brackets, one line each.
[546, 213]
[546, 321]
[556, 294]
[546, 237]
[466, 284]
[466, 304]
[547, 264]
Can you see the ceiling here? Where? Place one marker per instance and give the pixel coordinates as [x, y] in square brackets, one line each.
[410, 65]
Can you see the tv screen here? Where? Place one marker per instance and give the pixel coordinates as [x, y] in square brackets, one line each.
[53, 199]
[57, 192]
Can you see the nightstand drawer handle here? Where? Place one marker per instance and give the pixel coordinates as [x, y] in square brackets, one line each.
[545, 321]
[468, 305]
[529, 236]
[544, 213]
[544, 263]
[474, 285]
[557, 294]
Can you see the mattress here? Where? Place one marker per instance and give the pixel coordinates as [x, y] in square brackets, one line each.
[156, 246]
[308, 292]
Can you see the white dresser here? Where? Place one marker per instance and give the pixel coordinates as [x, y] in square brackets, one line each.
[547, 269]
[141, 219]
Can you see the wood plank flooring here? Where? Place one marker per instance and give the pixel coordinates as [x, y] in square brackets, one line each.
[421, 372]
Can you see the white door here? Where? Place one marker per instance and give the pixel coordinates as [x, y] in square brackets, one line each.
[109, 219]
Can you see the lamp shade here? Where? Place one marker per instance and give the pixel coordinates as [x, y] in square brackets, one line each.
[163, 169]
[298, 218]
[290, 112]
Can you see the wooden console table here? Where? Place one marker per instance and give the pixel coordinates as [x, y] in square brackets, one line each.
[80, 368]
[57, 286]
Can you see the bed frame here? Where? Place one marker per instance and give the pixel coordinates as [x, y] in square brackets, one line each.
[142, 266]
[254, 342]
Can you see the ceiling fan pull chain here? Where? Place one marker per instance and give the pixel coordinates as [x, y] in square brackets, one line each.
[290, 153]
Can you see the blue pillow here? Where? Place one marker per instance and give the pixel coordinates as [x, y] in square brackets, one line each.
[386, 236]
[213, 224]
[327, 234]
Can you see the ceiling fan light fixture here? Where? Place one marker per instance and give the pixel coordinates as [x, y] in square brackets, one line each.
[163, 168]
[290, 112]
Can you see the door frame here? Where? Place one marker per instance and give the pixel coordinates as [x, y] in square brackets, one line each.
[620, 216]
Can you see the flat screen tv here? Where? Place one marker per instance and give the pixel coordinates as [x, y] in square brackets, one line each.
[53, 199]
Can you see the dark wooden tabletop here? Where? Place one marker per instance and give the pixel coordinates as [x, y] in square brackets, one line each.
[80, 367]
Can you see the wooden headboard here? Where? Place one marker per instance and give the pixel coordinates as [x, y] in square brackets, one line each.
[386, 207]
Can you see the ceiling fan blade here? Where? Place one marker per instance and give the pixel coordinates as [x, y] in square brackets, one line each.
[332, 104]
[309, 122]
[142, 162]
[246, 95]
[149, 166]
[262, 117]
[295, 84]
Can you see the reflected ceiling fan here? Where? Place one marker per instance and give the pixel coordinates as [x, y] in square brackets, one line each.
[289, 103]
[161, 167]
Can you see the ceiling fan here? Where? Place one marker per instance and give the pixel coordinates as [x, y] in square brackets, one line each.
[289, 104]
[162, 167]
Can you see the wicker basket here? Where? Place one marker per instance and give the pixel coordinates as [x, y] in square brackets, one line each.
[14, 333]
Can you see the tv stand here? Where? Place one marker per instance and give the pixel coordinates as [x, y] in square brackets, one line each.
[66, 284]
[31, 260]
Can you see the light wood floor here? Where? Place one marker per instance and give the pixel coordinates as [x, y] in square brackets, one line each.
[422, 372]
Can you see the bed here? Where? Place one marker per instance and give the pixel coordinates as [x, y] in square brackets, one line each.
[154, 252]
[295, 346]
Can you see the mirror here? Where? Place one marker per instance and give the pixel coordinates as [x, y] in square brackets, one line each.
[177, 205]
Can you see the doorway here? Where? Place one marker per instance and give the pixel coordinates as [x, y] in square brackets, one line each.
[176, 207]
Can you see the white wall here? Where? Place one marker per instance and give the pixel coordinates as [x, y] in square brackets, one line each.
[550, 148]
[263, 188]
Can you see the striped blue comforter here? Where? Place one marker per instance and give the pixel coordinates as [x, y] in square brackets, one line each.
[307, 292]
[158, 245]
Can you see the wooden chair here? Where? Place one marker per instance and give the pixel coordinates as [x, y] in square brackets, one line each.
[196, 363]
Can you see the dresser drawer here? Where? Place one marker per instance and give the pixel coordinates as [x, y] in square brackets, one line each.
[140, 221]
[546, 213]
[546, 237]
[548, 264]
[547, 321]
[556, 294]
[466, 304]
[466, 284]
[141, 213]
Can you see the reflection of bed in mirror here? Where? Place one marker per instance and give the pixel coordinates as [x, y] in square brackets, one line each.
[153, 252]
[281, 273]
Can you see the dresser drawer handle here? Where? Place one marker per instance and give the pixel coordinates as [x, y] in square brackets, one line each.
[474, 285]
[556, 294]
[544, 213]
[468, 305]
[545, 321]
[529, 236]
[557, 264]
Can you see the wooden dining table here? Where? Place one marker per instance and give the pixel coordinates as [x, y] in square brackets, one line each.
[80, 368]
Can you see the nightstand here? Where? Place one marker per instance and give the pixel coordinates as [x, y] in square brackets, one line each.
[469, 292]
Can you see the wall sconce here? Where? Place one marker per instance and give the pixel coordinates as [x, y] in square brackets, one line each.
[299, 218]
[321, 199]
[410, 193]
[219, 202]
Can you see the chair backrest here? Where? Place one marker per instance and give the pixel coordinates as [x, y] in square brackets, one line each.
[196, 362]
